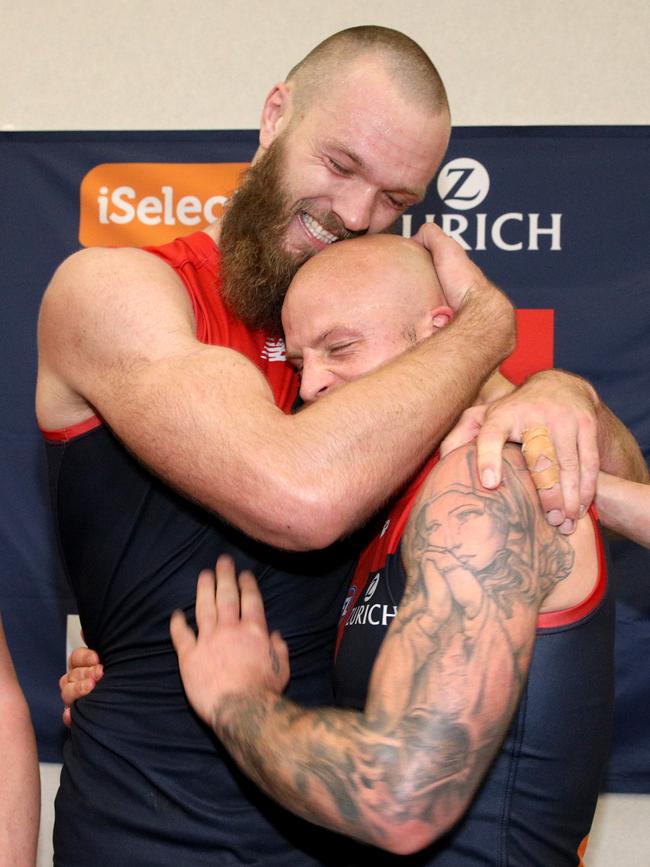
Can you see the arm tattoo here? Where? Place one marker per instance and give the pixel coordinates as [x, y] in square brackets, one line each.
[446, 681]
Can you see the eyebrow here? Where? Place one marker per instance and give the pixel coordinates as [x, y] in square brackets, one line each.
[356, 159]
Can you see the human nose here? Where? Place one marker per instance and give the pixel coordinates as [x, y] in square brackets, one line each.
[315, 380]
[354, 206]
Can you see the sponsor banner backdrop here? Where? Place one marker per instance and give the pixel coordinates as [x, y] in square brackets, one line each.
[557, 216]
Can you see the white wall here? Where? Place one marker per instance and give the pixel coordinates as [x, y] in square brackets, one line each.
[205, 64]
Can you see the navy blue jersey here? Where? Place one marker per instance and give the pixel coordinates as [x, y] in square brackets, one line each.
[144, 782]
[536, 804]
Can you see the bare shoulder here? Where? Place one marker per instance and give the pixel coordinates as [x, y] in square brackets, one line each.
[457, 471]
[104, 307]
[96, 280]
[488, 533]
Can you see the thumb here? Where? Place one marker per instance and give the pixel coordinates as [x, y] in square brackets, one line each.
[281, 651]
[465, 430]
[183, 638]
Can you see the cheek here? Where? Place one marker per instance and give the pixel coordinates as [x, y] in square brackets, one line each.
[310, 180]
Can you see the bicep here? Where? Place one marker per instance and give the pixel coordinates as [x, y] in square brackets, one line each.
[117, 328]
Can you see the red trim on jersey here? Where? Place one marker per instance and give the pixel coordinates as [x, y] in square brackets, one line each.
[376, 553]
[566, 616]
[196, 260]
[65, 434]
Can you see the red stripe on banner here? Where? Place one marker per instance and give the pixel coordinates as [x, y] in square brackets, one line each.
[535, 345]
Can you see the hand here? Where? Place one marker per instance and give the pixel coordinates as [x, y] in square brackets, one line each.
[465, 430]
[84, 670]
[559, 401]
[456, 271]
[233, 651]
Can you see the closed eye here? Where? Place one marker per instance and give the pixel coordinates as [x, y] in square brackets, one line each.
[337, 168]
[341, 348]
[395, 203]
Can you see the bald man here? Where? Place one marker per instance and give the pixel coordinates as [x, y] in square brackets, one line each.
[470, 606]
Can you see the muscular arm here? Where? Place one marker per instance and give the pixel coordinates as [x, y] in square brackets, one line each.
[443, 688]
[624, 507]
[116, 336]
[20, 789]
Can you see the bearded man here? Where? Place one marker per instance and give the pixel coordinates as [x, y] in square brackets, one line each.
[163, 397]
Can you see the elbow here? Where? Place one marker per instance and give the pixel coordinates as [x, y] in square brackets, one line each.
[311, 523]
[410, 838]
[411, 823]
[406, 840]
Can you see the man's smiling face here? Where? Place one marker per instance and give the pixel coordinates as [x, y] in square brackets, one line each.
[350, 164]
[357, 159]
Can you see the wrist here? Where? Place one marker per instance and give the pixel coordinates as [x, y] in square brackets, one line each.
[238, 714]
[559, 376]
[492, 315]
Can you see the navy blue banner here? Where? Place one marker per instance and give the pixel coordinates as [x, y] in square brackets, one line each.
[556, 216]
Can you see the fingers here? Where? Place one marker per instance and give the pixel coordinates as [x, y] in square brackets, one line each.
[589, 464]
[206, 612]
[82, 657]
[79, 681]
[555, 470]
[67, 717]
[489, 447]
[544, 466]
[83, 672]
[222, 599]
[252, 605]
[565, 475]
[465, 431]
[569, 462]
[227, 594]
[428, 234]
[183, 638]
[279, 659]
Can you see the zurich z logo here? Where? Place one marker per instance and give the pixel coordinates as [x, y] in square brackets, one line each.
[463, 183]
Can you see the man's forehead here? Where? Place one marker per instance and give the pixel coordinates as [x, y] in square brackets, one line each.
[380, 130]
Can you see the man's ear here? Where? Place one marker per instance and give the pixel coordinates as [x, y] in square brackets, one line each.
[275, 114]
[440, 316]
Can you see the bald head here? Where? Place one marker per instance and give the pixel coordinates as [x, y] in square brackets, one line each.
[356, 305]
[383, 269]
[400, 58]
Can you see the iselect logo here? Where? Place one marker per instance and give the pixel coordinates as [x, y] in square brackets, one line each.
[131, 204]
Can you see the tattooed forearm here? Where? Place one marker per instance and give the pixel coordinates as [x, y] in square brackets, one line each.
[342, 770]
[445, 683]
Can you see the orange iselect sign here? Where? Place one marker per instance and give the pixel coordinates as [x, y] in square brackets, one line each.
[131, 204]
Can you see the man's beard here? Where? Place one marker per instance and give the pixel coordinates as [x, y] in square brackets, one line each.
[256, 269]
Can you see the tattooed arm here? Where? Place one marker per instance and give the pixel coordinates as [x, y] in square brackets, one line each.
[443, 689]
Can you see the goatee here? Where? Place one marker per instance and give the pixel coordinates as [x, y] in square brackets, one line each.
[255, 267]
